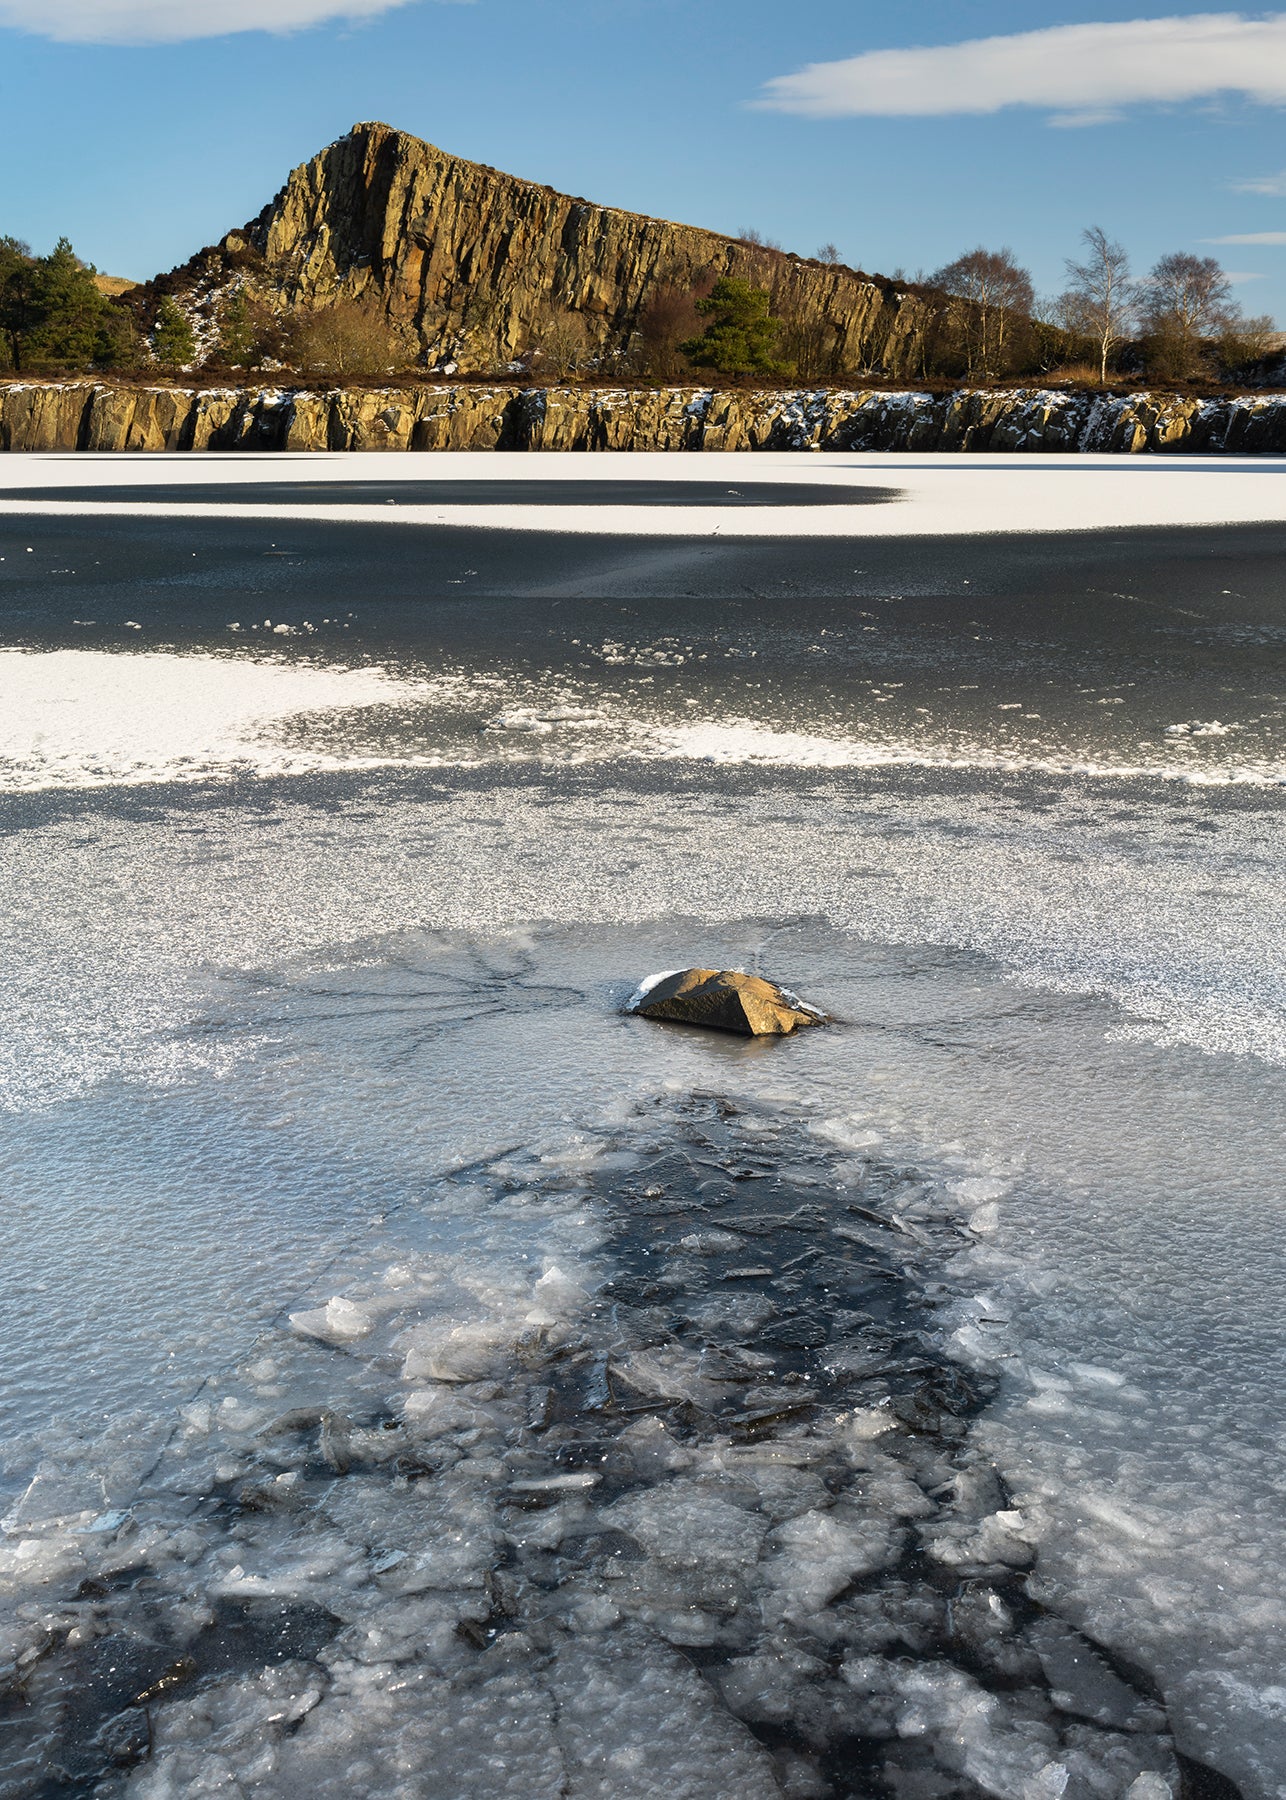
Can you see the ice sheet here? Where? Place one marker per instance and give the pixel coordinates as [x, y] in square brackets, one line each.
[249, 1022]
[940, 495]
[87, 718]
[94, 718]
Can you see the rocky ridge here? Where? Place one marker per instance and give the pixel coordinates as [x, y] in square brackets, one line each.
[471, 268]
[100, 416]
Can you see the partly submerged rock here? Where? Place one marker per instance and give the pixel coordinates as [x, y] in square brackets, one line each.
[725, 999]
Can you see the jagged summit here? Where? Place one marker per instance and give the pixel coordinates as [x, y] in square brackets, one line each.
[472, 267]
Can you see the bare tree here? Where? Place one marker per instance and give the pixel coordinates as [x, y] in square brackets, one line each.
[809, 340]
[343, 339]
[1244, 343]
[828, 253]
[1184, 299]
[669, 319]
[566, 346]
[1099, 304]
[995, 295]
[749, 235]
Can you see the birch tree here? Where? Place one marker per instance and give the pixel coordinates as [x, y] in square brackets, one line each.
[1099, 304]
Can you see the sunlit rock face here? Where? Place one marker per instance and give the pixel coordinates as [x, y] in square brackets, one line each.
[724, 1000]
[476, 416]
[469, 265]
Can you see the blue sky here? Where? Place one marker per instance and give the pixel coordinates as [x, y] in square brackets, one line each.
[1164, 126]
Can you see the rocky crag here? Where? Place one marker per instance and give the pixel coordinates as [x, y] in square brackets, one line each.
[471, 268]
[100, 416]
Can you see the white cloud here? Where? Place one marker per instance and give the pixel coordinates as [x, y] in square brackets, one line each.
[1077, 121]
[1249, 237]
[174, 21]
[1085, 73]
[1238, 276]
[1273, 185]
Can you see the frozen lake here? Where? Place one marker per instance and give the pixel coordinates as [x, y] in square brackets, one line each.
[419, 1377]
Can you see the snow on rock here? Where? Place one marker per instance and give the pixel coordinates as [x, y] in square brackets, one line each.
[96, 416]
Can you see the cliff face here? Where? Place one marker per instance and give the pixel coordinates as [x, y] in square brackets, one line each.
[473, 267]
[85, 416]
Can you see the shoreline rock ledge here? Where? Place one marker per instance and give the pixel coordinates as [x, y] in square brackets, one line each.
[105, 416]
[723, 1000]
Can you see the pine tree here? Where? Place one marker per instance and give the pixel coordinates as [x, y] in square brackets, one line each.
[52, 313]
[237, 332]
[173, 343]
[741, 335]
[16, 264]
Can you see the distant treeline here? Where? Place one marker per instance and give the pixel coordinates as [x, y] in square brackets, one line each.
[1179, 322]
[982, 322]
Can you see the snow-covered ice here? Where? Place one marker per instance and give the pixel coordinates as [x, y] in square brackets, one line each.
[937, 495]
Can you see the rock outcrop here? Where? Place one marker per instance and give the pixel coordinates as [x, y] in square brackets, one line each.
[470, 268]
[724, 1000]
[469, 416]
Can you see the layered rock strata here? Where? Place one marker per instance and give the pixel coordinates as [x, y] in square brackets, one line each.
[99, 416]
